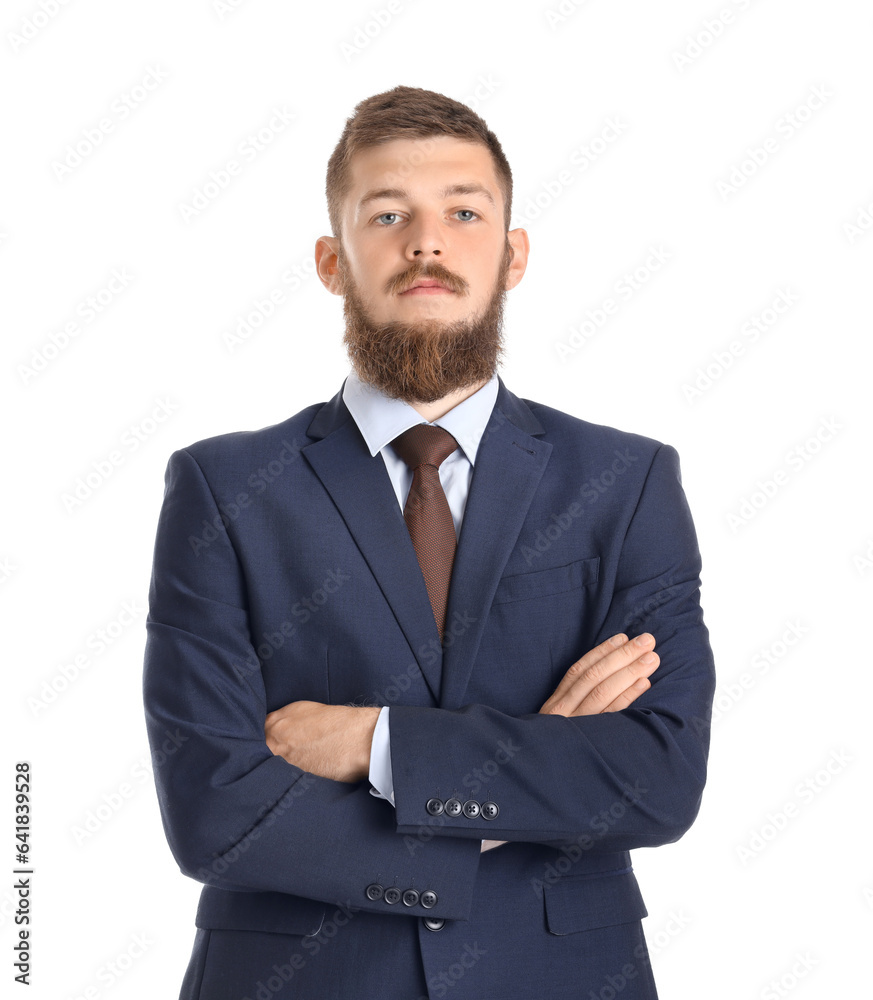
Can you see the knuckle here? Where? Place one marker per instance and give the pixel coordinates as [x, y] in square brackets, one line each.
[597, 694]
[598, 672]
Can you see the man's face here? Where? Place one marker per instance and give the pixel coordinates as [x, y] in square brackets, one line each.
[424, 264]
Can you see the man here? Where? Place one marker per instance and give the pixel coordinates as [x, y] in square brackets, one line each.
[407, 634]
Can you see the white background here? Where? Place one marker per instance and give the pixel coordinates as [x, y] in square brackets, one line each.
[773, 883]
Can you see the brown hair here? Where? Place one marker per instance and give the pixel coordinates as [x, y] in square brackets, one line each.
[408, 113]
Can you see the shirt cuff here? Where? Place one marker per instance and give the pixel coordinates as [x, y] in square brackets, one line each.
[381, 776]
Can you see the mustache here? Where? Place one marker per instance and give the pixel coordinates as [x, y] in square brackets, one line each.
[435, 271]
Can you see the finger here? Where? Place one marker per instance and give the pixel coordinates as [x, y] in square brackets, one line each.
[629, 696]
[581, 679]
[615, 672]
[581, 665]
[617, 685]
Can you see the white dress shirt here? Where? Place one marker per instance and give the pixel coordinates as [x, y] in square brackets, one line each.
[380, 420]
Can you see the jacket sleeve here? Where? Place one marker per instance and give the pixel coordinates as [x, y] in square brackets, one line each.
[235, 815]
[607, 782]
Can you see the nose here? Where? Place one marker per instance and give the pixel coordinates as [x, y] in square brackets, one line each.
[424, 240]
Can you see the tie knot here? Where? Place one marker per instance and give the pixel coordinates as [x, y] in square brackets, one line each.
[424, 444]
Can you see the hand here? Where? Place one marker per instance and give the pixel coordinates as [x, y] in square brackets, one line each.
[332, 741]
[607, 679]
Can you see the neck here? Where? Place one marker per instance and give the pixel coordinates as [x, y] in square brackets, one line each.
[440, 407]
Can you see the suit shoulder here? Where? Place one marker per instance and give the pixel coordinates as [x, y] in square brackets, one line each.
[564, 428]
[242, 448]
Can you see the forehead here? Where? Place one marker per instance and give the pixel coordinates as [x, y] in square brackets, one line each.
[423, 168]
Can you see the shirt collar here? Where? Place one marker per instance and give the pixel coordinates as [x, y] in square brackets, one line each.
[380, 418]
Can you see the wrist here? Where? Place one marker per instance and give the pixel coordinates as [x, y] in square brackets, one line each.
[368, 717]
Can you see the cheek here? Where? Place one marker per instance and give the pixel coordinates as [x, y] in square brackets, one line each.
[359, 281]
[371, 274]
[486, 267]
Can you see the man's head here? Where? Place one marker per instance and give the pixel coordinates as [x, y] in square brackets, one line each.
[419, 192]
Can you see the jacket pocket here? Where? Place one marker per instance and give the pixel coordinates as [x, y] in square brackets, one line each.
[543, 582]
[582, 903]
[271, 912]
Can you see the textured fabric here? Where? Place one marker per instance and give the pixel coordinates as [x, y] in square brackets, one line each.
[427, 515]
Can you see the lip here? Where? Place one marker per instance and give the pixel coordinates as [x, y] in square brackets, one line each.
[428, 287]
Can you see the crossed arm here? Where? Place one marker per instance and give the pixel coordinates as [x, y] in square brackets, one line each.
[333, 741]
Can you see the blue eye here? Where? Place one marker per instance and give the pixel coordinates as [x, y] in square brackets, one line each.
[395, 216]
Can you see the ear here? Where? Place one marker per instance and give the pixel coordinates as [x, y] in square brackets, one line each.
[520, 244]
[326, 263]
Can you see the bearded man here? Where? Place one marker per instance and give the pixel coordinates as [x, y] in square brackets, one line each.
[414, 666]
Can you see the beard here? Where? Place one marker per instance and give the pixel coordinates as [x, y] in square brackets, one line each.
[422, 361]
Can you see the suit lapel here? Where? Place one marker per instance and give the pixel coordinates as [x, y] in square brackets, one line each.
[359, 485]
[509, 465]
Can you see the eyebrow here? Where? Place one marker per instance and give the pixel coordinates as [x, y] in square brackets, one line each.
[447, 192]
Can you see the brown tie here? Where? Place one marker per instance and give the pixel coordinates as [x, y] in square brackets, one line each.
[427, 514]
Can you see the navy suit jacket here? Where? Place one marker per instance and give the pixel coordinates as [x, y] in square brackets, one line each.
[284, 570]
